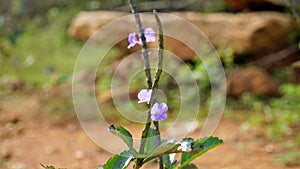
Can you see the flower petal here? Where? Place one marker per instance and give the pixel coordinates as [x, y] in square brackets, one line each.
[149, 35]
[132, 40]
[159, 112]
[144, 96]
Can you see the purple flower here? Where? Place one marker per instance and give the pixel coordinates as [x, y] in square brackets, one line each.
[144, 96]
[159, 112]
[149, 35]
[132, 40]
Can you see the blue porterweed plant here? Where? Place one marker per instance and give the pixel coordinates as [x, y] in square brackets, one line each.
[152, 146]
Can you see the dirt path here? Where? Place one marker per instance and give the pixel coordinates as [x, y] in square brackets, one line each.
[28, 138]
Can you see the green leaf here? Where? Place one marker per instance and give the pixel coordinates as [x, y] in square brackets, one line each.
[185, 156]
[190, 166]
[168, 163]
[123, 134]
[166, 160]
[201, 146]
[136, 154]
[47, 167]
[119, 161]
[163, 149]
[151, 142]
[188, 142]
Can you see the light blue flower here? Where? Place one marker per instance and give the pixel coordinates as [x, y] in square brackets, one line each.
[132, 40]
[149, 35]
[159, 112]
[144, 96]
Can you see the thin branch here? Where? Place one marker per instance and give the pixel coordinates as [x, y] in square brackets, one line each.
[148, 79]
[157, 77]
[151, 85]
[160, 51]
[144, 43]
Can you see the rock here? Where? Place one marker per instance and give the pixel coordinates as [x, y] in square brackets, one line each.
[107, 97]
[87, 23]
[247, 34]
[251, 80]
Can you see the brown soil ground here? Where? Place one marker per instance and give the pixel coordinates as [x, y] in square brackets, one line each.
[28, 138]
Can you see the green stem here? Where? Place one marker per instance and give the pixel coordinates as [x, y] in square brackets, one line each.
[148, 79]
[157, 77]
[151, 85]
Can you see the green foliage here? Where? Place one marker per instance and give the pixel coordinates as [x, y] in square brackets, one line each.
[284, 112]
[201, 146]
[168, 162]
[279, 117]
[163, 149]
[49, 167]
[151, 142]
[279, 114]
[213, 6]
[202, 78]
[190, 143]
[290, 158]
[190, 166]
[227, 56]
[123, 134]
[189, 148]
[294, 36]
[41, 53]
[119, 161]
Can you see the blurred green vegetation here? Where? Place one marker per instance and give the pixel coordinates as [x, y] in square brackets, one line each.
[278, 117]
[42, 52]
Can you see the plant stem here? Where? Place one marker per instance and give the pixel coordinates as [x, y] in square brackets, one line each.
[148, 79]
[144, 43]
[157, 77]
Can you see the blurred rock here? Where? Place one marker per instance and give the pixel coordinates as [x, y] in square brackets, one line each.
[107, 97]
[247, 34]
[87, 23]
[251, 80]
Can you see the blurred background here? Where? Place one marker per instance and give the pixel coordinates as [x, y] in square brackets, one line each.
[257, 40]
